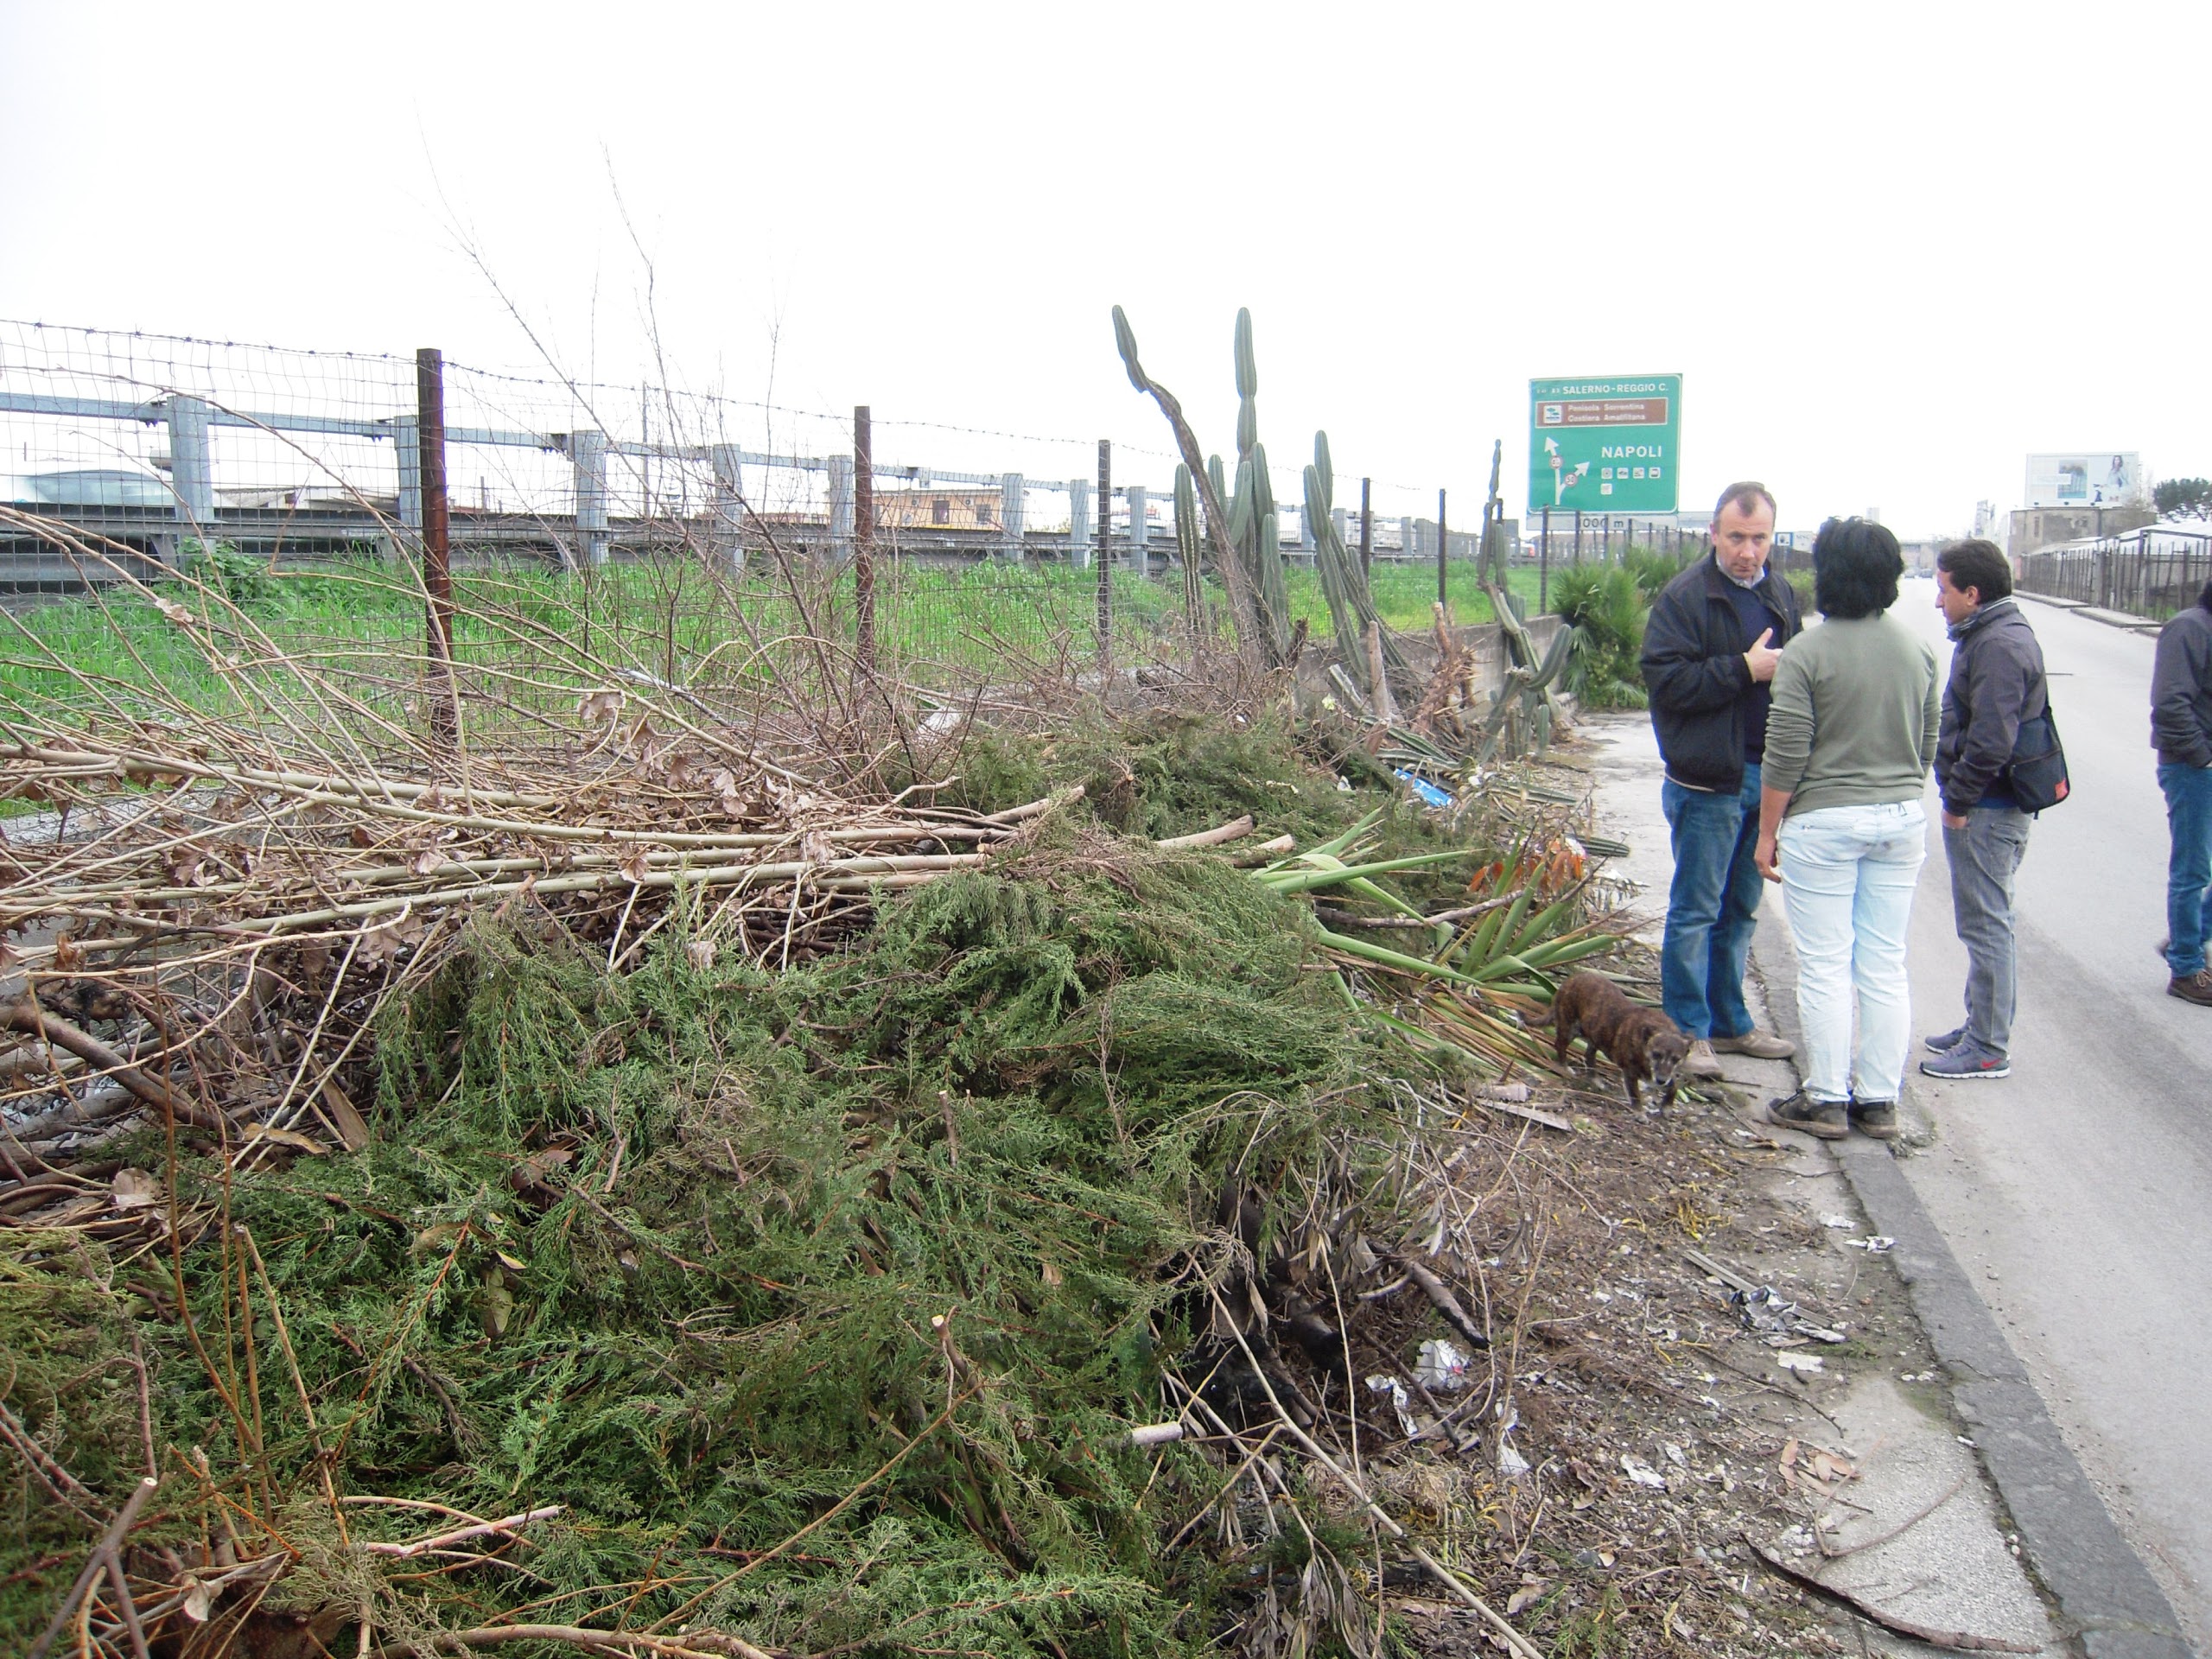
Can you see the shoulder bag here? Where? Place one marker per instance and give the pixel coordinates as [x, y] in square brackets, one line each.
[2037, 771]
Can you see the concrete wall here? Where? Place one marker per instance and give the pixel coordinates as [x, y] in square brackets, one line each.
[1486, 640]
[2038, 527]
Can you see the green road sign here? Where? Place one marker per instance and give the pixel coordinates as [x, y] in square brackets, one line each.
[1610, 445]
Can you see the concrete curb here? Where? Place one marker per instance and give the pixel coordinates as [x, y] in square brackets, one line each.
[2104, 1593]
[2111, 618]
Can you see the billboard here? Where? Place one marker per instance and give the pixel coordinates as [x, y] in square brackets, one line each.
[2084, 478]
[1609, 444]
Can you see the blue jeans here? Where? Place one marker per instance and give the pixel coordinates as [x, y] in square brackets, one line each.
[1712, 907]
[2189, 874]
[1847, 876]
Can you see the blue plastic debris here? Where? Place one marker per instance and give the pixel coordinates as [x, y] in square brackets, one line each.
[1429, 793]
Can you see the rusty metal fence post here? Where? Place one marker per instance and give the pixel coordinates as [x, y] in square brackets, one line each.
[1443, 551]
[863, 542]
[437, 567]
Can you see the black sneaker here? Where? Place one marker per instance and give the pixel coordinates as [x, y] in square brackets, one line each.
[1876, 1118]
[2192, 988]
[1823, 1118]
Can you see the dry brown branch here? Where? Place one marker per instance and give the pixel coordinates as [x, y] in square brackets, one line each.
[504, 1527]
[102, 1559]
[1446, 1304]
[24, 1015]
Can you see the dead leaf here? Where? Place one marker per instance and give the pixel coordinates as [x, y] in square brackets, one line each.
[599, 707]
[134, 1189]
[499, 1302]
[291, 1138]
[1522, 1598]
[638, 866]
[1051, 1274]
[199, 1601]
[352, 1128]
[816, 847]
[701, 953]
[174, 612]
[383, 943]
[537, 1169]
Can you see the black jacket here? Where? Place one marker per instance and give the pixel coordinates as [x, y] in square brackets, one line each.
[2181, 690]
[1693, 669]
[1997, 680]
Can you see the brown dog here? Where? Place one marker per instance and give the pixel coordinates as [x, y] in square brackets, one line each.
[1642, 1041]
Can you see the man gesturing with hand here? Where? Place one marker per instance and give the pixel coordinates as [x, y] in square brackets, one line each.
[1716, 633]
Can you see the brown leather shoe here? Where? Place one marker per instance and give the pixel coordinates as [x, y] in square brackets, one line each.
[2192, 988]
[1698, 1065]
[1759, 1045]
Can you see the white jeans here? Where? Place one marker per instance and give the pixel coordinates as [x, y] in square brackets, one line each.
[1847, 875]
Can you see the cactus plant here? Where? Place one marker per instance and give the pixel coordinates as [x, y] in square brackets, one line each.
[1189, 548]
[1344, 585]
[1251, 627]
[1254, 524]
[1244, 531]
[1525, 713]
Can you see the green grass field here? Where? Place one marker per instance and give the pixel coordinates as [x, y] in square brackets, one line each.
[552, 632]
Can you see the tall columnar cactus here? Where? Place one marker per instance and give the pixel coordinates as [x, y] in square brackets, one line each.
[1189, 548]
[1242, 528]
[1344, 585]
[1228, 561]
[1254, 524]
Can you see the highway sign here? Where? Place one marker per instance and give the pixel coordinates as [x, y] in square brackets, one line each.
[1609, 444]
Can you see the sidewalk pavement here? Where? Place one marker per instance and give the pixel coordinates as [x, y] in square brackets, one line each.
[1959, 1565]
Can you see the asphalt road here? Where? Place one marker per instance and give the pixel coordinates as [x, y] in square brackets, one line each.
[2078, 1192]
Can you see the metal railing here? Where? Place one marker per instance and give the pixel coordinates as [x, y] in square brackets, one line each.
[2153, 572]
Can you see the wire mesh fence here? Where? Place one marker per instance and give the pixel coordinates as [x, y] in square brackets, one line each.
[671, 533]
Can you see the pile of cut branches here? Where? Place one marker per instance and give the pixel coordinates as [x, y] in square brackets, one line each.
[650, 1187]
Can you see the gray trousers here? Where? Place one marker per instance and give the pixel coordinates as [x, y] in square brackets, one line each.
[1984, 857]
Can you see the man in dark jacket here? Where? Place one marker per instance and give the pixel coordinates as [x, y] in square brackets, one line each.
[1710, 648]
[2180, 728]
[1996, 684]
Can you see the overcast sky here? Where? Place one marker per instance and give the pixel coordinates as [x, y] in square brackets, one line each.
[1892, 249]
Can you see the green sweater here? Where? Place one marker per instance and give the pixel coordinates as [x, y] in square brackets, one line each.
[1855, 714]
